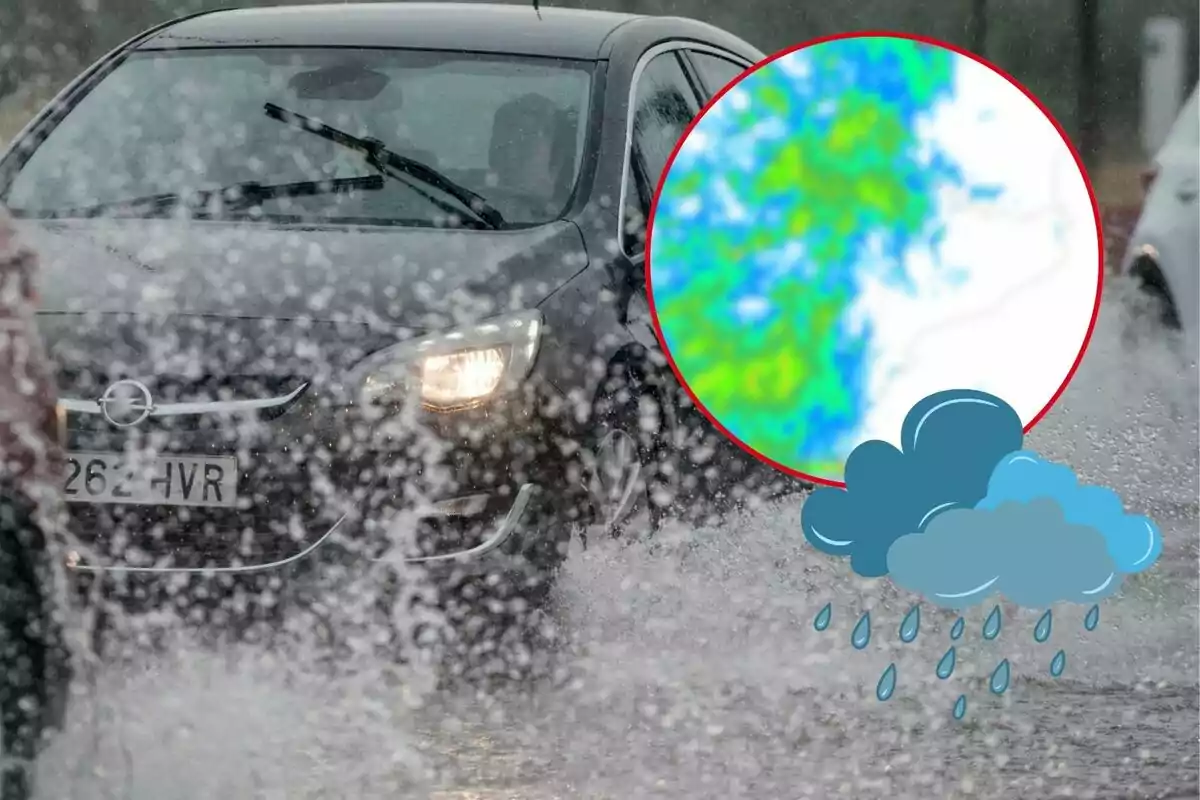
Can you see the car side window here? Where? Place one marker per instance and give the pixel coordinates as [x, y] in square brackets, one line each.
[664, 105]
[716, 71]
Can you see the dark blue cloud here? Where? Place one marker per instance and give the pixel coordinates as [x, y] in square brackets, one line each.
[950, 443]
[1027, 552]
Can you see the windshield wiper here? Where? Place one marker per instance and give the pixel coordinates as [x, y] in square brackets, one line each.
[379, 156]
[247, 194]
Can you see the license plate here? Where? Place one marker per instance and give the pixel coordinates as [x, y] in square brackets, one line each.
[159, 481]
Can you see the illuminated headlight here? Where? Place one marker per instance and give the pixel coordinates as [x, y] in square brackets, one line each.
[462, 377]
[451, 371]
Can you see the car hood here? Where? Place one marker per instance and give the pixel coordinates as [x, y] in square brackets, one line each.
[128, 297]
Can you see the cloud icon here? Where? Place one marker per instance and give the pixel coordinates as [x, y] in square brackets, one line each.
[1028, 552]
[950, 443]
[1133, 541]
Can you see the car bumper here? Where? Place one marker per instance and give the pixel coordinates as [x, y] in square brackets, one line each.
[472, 493]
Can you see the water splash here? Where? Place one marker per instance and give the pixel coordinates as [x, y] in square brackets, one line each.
[823, 617]
[887, 683]
[945, 667]
[1092, 619]
[1000, 678]
[911, 625]
[956, 632]
[861, 634]
[1041, 631]
[960, 707]
[1058, 663]
[991, 626]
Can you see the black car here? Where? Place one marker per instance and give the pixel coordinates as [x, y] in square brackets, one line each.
[314, 271]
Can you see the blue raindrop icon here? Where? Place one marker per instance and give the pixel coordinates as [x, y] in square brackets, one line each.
[823, 617]
[861, 635]
[911, 625]
[956, 632]
[960, 707]
[887, 683]
[1041, 631]
[1058, 663]
[945, 667]
[1000, 678]
[1092, 619]
[991, 626]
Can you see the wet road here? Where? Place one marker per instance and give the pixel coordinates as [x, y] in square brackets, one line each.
[696, 671]
[737, 696]
[693, 670]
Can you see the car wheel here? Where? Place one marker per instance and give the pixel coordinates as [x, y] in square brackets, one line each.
[1158, 303]
[629, 475]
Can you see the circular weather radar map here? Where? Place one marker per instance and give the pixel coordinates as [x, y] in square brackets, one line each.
[862, 222]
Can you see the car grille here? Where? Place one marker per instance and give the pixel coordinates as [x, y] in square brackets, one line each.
[179, 390]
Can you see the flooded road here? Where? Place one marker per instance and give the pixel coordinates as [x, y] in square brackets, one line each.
[719, 687]
[692, 669]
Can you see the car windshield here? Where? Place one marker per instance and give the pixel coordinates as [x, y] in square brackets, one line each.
[501, 134]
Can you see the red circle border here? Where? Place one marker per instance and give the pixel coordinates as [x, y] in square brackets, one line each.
[859, 35]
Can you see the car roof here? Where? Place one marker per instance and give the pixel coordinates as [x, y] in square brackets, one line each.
[475, 27]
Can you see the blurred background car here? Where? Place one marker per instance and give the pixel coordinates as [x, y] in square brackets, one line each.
[1163, 254]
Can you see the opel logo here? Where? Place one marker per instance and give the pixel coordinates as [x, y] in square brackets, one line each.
[126, 403]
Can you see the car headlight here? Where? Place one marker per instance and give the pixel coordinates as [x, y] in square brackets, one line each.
[451, 371]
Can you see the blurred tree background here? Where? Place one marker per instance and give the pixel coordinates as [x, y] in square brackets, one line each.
[44, 42]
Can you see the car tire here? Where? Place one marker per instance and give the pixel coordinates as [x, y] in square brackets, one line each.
[1155, 293]
[631, 468]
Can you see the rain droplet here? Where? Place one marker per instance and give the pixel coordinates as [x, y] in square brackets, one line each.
[960, 707]
[1000, 678]
[887, 683]
[991, 625]
[861, 634]
[1058, 663]
[911, 624]
[823, 617]
[1041, 632]
[945, 667]
[1092, 619]
[957, 631]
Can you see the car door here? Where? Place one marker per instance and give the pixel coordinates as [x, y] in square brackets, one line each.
[673, 82]
[665, 99]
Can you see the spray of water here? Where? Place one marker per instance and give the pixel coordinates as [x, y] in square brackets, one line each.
[672, 650]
